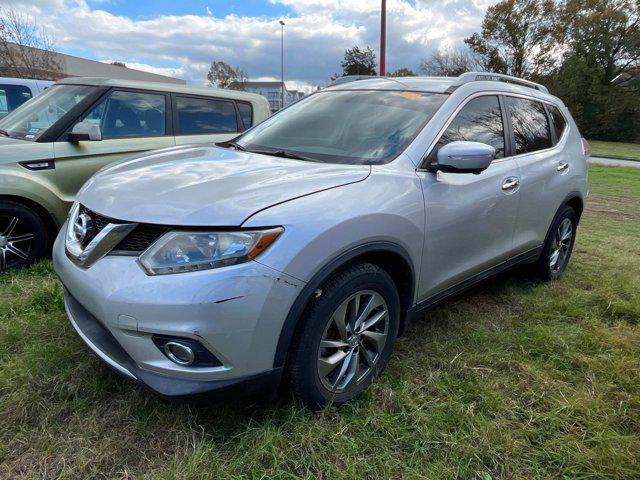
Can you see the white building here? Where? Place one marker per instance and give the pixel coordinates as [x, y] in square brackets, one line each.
[271, 90]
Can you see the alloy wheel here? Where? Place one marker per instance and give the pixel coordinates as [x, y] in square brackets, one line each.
[353, 341]
[561, 245]
[15, 242]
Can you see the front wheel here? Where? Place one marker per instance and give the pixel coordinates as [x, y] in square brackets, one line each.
[23, 236]
[558, 246]
[346, 336]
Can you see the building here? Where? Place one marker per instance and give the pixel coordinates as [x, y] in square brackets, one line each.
[53, 66]
[271, 90]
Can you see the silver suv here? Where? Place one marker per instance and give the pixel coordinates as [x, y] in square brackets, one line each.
[303, 248]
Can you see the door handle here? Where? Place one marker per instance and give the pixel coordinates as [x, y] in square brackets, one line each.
[510, 184]
[562, 166]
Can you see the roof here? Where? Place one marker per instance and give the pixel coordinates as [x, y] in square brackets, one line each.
[160, 87]
[418, 84]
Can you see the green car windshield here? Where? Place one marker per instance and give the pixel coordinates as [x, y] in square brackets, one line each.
[345, 126]
[34, 117]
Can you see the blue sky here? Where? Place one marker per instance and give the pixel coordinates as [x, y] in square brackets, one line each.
[149, 9]
[181, 38]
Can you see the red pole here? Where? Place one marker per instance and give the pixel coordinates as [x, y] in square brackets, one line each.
[282, 64]
[383, 37]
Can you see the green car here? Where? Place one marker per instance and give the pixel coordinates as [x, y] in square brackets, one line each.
[52, 144]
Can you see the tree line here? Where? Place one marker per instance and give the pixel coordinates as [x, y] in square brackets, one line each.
[587, 52]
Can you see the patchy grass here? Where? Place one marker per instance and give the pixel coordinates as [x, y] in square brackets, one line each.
[626, 151]
[515, 379]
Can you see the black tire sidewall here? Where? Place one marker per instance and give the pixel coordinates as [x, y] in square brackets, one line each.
[34, 224]
[543, 264]
[303, 373]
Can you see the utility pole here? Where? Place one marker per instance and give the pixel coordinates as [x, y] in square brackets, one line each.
[282, 64]
[383, 38]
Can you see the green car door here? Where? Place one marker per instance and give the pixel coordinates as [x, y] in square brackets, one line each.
[130, 122]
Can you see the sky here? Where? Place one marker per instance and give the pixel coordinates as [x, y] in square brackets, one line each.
[180, 38]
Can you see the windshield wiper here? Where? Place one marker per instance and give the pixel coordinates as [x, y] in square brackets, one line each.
[284, 154]
[5, 133]
[230, 143]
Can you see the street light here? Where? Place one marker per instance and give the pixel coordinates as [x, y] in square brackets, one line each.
[282, 64]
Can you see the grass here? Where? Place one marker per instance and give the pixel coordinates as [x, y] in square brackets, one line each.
[515, 379]
[625, 151]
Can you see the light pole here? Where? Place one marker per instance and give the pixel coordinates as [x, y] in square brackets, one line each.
[281, 64]
[383, 37]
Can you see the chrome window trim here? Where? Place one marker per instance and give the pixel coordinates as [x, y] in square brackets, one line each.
[490, 93]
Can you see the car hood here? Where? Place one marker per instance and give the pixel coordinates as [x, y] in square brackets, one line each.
[202, 185]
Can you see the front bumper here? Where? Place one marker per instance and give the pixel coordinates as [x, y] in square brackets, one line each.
[235, 312]
[105, 346]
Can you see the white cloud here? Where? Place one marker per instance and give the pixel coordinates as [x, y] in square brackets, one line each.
[168, 71]
[317, 33]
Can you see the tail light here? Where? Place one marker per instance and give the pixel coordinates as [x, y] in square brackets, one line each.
[586, 148]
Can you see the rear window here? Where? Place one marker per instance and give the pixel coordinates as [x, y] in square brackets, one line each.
[11, 97]
[246, 113]
[201, 116]
[530, 125]
[559, 122]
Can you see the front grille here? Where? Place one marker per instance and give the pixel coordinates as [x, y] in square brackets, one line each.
[137, 241]
[140, 238]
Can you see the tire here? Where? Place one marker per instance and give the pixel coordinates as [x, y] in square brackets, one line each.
[350, 357]
[546, 267]
[23, 236]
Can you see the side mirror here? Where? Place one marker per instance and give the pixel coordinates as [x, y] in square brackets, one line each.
[85, 131]
[465, 157]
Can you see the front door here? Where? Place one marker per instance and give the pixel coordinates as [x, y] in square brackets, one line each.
[131, 122]
[470, 218]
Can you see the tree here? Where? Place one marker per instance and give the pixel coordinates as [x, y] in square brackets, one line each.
[516, 37]
[450, 62]
[119, 64]
[601, 41]
[223, 75]
[402, 72]
[359, 62]
[26, 51]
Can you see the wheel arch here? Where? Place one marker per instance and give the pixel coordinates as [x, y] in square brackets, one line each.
[575, 201]
[391, 257]
[47, 218]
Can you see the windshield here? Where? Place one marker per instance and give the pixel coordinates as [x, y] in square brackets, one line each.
[351, 127]
[32, 118]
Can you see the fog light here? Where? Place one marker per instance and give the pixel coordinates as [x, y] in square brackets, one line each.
[185, 351]
[179, 353]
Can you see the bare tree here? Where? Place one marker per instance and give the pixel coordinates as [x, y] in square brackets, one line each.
[450, 62]
[26, 50]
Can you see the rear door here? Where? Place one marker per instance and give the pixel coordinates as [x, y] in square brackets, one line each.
[131, 122]
[12, 96]
[199, 119]
[537, 144]
[470, 219]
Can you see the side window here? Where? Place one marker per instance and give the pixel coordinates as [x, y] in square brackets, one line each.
[246, 113]
[201, 115]
[129, 114]
[480, 120]
[530, 125]
[11, 97]
[559, 122]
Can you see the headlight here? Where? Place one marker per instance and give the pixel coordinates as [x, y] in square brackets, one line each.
[177, 252]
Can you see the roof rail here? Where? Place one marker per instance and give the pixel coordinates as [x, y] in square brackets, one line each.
[494, 77]
[351, 78]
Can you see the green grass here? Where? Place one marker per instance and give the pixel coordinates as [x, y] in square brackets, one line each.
[626, 151]
[515, 379]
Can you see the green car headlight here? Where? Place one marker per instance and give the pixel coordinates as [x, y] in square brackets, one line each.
[183, 251]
